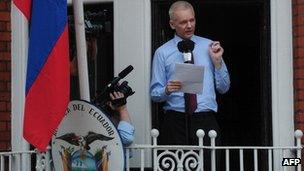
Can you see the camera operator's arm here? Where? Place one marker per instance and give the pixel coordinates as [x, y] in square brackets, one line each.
[118, 103]
[125, 128]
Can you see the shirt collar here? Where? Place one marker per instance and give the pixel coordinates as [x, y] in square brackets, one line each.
[178, 39]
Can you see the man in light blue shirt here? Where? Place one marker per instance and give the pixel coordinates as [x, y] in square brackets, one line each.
[179, 125]
[164, 87]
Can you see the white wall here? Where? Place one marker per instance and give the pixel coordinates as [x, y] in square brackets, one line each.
[282, 75]
[132, 46]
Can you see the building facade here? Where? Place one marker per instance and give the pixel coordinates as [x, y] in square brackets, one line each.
[5, 75]
[285, 31]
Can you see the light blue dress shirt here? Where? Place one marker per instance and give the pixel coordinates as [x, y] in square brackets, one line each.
[126, 132]
[164, 61]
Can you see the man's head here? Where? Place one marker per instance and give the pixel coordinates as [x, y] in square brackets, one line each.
[182, 19]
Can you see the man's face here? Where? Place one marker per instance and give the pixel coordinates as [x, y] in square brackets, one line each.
[183, 22]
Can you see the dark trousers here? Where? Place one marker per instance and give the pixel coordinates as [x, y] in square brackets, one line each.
[180, 129]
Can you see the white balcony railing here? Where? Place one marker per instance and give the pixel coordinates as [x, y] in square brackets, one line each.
[180, 158]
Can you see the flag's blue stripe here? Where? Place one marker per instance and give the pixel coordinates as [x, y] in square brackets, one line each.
[48, 20]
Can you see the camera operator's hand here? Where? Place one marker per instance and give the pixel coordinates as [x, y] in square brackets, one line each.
[118, 101]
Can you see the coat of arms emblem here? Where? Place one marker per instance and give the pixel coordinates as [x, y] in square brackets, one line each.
[87, 140]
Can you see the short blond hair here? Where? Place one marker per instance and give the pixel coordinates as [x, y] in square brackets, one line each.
[179, 5]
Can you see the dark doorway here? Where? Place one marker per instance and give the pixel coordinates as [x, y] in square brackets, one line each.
[100, 47]
[243, 27]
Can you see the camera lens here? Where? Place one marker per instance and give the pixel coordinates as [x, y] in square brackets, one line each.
[125, 89]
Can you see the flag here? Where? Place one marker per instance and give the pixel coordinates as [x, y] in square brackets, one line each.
[47, 77]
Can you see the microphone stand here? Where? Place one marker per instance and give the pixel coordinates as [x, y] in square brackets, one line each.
[187, 46]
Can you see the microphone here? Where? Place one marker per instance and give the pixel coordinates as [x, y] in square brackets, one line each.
[103, 96]
[125, 72]
[186, 47]
[121, 75]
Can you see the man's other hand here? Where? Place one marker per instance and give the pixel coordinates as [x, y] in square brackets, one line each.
[172, 86]
[216, 53]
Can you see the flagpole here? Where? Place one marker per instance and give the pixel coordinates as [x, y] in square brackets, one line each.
[81, 50]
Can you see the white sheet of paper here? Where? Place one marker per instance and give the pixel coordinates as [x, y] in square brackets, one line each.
[191, 76]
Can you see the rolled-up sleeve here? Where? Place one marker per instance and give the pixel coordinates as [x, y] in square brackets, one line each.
[222, 79]
[126, 132]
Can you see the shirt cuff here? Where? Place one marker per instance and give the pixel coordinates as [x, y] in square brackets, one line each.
[221, 69]
[164, 93]
[126, 126]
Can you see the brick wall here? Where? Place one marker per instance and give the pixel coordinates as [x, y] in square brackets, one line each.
[298, 50]
[5, 75]
[298, 63]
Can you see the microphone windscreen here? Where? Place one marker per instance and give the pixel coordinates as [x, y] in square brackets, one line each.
[185, 46]
[125, 72]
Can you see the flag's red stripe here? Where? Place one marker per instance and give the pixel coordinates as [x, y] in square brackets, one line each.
[48, 97]
[24, 6]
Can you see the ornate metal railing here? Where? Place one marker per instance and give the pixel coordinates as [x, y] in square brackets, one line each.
[165, 157]
[187, 158]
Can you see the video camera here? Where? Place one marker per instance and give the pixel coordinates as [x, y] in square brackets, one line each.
[102, 99]
[95, 23]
